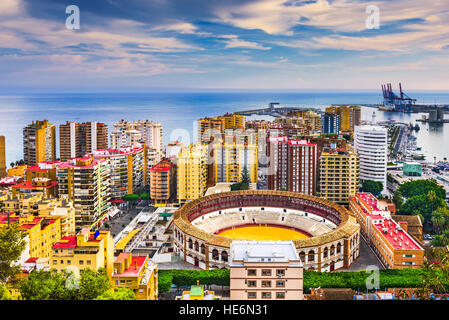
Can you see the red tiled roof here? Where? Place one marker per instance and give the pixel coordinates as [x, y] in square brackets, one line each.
[29, 185]
[399, 239]
[132, 271]
[66, 243]
[164, 165]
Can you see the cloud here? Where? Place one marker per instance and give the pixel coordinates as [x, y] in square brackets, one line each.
[234, 41]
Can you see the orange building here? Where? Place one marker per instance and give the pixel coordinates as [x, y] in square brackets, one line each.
[388, 238]
[162, 182]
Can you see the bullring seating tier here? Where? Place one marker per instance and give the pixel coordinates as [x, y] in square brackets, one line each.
[215, 221]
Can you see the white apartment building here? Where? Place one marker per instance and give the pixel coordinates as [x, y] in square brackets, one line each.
[262, 270]
[133, 134]
[371, 144]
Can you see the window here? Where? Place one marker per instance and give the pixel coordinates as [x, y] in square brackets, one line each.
[266, 295]
[116, 282]
[88, 262]
[81, 262]
[141, 290]
[280, 272]
[252, 272]
[69, 262]
[266, 284]
[266, 272]
[280, 295]
[280, 283]
[122, 281]
[55, 261]
[251, 283]
[252, 295]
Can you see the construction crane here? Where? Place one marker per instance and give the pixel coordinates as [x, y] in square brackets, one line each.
[398, 103]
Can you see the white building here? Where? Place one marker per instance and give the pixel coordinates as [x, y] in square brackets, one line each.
[265, 270]
[371, 143]
[131, 134]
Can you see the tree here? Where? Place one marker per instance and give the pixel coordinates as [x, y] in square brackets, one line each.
[12, 244]
[144, 196]
[44, 285]
[419, 187]
[421, 204]
[54, 285]
[4, 293]
[398, 200]
[374, 187]
[130, 197]
[119, 294]
[245, 176]
[439, 221]
[93, 284]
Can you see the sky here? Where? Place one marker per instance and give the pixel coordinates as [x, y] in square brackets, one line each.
[141, 45]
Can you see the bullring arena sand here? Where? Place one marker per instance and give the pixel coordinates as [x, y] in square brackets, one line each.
[262, 233]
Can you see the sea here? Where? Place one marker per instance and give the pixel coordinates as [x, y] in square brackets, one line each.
[178, 112]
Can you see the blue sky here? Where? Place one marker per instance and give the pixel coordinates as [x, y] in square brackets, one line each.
[138, 45]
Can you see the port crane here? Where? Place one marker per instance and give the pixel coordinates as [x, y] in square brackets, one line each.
[394, 102]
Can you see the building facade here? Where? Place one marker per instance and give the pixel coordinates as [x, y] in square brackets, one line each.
[42, 232]
[371, 144]
[138, 274]
[135, 134]
[350, 116]
[192, 165]
[339, 175]
[86, 182]
[265, 270]
[128, 169]
[78, 139]
[163, 182]
[39, 142]
[86, 250]
[392, 244]
[330, 123]
[2, 157]
[230, 155]
[292, 165]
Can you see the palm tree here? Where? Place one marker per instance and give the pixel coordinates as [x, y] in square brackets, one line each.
[431, 195]
[439, 221]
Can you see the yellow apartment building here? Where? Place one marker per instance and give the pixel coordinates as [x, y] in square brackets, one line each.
[38, 205]
[42, 232]
[234, 121]
[229, 157]
[192, 172]
[18, 171]
[138, 274]
[339, 175]
[86, 250]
